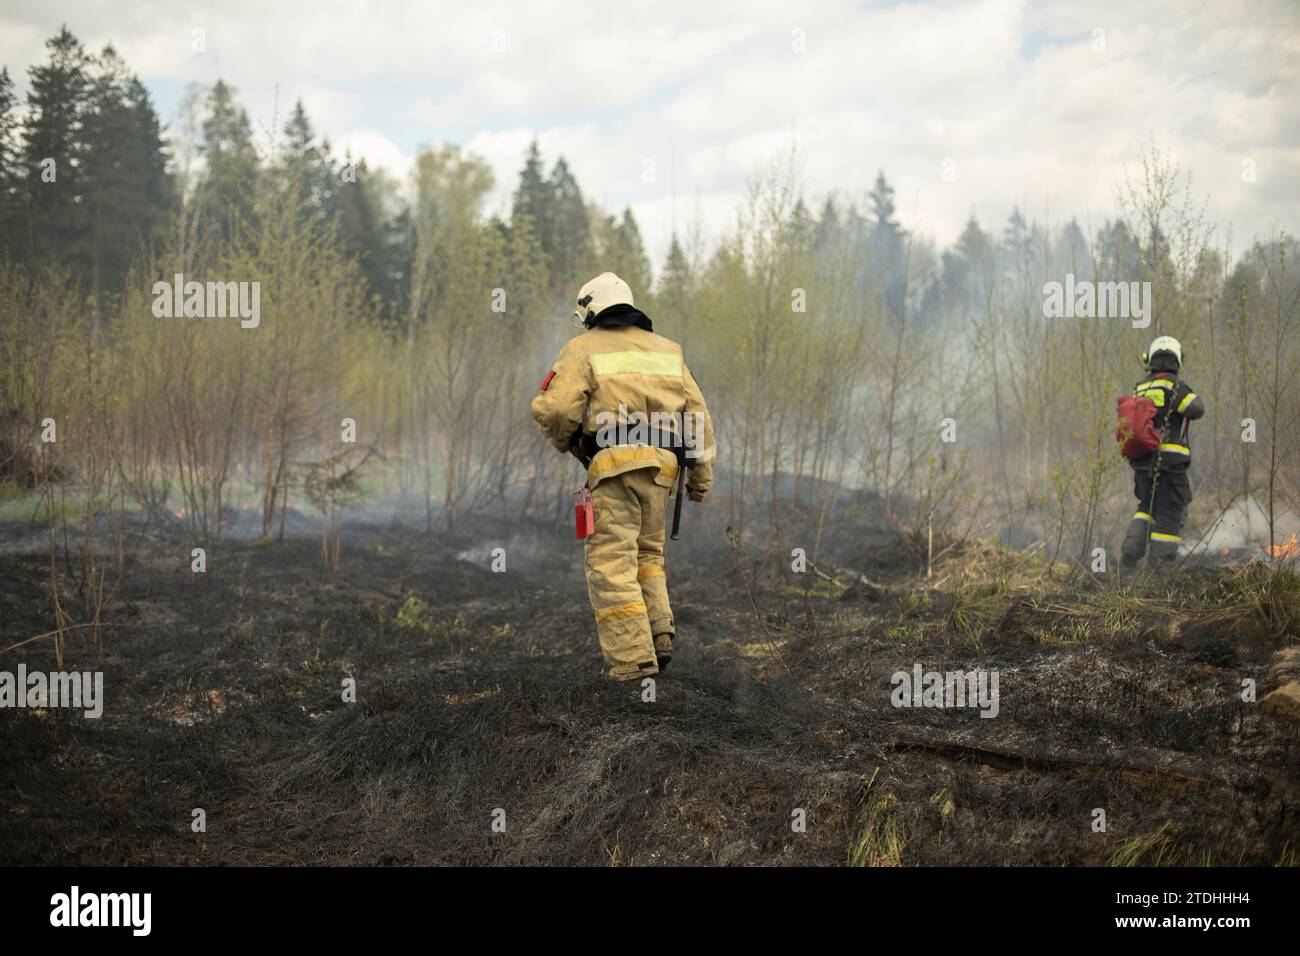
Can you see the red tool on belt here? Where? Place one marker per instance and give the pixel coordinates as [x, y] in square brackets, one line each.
[583, 510]
[584, 514]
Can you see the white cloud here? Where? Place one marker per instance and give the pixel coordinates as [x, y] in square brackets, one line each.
[1013, 92]
[376, 148]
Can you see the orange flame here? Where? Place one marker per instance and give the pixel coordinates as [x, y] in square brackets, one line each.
[1289, 549]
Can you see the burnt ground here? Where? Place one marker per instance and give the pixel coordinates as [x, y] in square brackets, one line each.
[479, 691]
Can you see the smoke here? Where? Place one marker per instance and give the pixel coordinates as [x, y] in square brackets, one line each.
[1244, 525]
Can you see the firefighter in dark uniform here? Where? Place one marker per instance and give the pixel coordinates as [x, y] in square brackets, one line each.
[1160, 479]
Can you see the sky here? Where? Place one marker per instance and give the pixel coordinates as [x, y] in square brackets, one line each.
[671, 107]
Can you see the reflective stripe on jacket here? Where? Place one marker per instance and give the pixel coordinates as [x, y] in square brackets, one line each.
[611, 376]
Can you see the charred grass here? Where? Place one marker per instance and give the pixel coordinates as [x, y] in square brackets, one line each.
[479, 700]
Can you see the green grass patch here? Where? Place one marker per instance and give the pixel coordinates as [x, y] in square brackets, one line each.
[1260, 594]
[1158, 848]
[878, 839]
[976, 610]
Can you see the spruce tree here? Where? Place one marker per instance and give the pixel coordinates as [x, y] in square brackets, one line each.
[673, 294]
[52, 154]
[632, 262]
[361, 228]
[887, 242]
[127, 190]
[227, 191]
[568, 246]
[11, 179]
[308, 168]
[828, 225]
[882, 204]
[532, 198]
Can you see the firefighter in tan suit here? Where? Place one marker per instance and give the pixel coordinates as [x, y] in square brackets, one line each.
[623, 397]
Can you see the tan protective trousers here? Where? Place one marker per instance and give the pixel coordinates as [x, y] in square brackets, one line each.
[625, 571]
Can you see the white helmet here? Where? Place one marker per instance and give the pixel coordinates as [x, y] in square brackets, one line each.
[1164, 343]
[599, 294]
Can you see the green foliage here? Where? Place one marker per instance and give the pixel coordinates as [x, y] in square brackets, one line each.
[553, 211]
[414, 615]
[56, 113]
[830, 344]
[334, 483]
[227, 193]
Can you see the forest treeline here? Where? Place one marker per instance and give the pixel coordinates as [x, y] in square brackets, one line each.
[836, 346]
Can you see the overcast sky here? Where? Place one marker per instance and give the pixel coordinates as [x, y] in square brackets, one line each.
[1036, 104]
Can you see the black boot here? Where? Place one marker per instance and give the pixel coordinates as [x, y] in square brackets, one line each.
[1135, 542]
[663, 650]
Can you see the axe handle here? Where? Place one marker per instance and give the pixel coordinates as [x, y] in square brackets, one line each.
[677, 505]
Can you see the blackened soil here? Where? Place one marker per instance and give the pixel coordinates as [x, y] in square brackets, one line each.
[479, 702]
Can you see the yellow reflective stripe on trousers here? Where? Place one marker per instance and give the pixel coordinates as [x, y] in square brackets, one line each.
[611, 460]
[1176, 449]
[620, 611]
[1141, 515]
[1191, 397]
[636, 363]
[648, 571]
[1157, 536]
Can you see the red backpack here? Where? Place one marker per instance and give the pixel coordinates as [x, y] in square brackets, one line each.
[1136, 431]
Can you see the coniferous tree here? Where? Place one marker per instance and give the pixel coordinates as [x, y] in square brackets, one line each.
[882, 204]
[887, 241]
[361, 228]
[964, 271]
[1070, 254]
[532, 198]
[52, 154]
[570, 241]
[558, 217]
[1015, 237]
[307, 166]
[399, 254]
[801, 228]
[633, 263]
[227, 190]
[11, 179]
[828, 224]
[127, 189]
[675, 292]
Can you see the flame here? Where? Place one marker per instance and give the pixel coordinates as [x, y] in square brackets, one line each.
[182, 513]
[1289, 549]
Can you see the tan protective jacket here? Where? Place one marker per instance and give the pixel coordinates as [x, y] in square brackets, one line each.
[602, 370]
